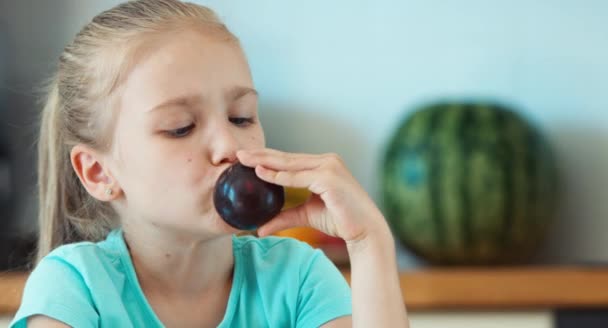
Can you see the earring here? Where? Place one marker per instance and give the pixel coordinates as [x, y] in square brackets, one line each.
[109, 191]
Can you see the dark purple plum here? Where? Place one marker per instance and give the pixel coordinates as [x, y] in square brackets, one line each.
[244, 200]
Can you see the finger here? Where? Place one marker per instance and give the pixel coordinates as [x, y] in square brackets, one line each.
[278, 160]
[309, 179]
[291, 218]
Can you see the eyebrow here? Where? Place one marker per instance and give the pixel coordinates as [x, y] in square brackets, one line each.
[189, 99]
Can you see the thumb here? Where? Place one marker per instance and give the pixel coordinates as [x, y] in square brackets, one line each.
[291, 218]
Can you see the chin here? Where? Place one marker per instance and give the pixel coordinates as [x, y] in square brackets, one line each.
[206, 227]
[218, 225]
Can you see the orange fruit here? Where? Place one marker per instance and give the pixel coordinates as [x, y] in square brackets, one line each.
[305, 234]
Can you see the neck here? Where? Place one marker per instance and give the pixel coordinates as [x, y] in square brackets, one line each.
[179, 264]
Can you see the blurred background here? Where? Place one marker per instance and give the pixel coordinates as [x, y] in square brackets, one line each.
[340, 76]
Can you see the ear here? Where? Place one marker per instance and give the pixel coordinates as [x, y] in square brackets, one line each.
[96, 179]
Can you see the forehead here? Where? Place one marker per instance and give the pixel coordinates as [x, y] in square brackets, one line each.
[185, 62]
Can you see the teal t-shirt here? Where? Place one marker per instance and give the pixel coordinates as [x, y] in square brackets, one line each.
[277, 282]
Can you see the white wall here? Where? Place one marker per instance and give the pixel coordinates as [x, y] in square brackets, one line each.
[339, 75]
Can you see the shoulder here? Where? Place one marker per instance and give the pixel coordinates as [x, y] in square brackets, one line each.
[70, 282]
[82, 259]
[270, 244]
[74, 266]
[302, 276]
[77, 267]
[284, 257]
[274, 261]
[71, 261]
[276, 249]
[88, 259]
[82, 253]
[58, 288]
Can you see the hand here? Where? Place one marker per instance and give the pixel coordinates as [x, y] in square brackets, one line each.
[338, 206]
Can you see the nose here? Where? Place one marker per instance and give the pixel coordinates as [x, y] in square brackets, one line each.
[223, 144]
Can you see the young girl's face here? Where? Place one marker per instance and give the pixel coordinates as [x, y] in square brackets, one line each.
[185, 109]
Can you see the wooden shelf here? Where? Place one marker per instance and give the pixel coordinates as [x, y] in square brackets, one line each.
[11, 288]
[506, 288]
[458, 288]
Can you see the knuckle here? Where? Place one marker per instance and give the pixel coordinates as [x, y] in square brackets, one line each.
[334, 161]
[283, 177]
[288, 161]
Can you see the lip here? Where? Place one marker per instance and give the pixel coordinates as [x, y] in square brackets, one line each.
[221, 170]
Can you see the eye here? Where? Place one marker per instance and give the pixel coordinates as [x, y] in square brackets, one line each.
[181, 132]
[241, 121]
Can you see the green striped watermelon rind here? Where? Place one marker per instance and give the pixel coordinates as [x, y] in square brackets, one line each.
[482, 210]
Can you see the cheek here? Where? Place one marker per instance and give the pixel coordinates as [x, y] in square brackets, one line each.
[256, 139]
[193, 171]
[144, 165]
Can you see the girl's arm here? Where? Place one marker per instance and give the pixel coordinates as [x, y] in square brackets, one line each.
[339, 207]
[42, 321]
[377, 296]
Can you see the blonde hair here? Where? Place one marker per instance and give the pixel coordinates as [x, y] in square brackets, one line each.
[79, 109]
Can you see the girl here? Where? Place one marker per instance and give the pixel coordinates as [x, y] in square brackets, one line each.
[151, 102]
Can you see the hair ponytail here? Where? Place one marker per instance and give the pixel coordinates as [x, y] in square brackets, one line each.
[67, 213]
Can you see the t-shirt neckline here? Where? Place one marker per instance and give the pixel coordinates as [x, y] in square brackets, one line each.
[125, 258]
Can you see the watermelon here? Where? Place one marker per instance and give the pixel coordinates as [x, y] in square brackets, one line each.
[469, 183]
